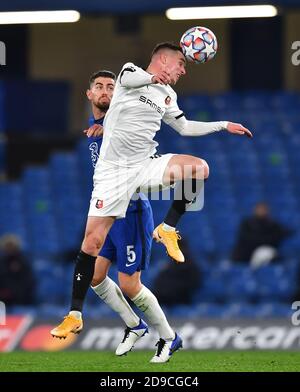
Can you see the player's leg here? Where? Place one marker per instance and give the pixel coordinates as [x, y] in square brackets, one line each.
[146, 301]
[181, 167]
[113, 188]
[137, 258]
[95, 234]
[189, 174]
[102, 267]
[132, 333]
[131, 239]
[108, 290]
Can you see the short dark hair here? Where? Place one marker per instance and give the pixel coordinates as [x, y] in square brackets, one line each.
[166, 45]
[102, 73]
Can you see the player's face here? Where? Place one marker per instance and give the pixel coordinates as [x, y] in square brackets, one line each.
[175, 64]
[101, 92]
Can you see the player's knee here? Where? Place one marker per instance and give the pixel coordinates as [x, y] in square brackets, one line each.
[205, 169]
[201, 169]
[131, 289]
[92, 243]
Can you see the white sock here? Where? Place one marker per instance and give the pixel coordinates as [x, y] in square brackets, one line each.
[168, 228]
[111, 294]
[146, 301]
[76, 314]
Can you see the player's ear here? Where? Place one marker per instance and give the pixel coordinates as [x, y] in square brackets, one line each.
[163, 58]
[88, 94]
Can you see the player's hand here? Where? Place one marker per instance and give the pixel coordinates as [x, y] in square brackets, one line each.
[95, 130]
[238, 129]
[162, 77]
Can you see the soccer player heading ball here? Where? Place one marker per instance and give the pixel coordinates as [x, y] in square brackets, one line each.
[129, 161]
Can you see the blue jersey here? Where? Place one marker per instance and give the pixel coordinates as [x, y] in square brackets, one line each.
[129, 240]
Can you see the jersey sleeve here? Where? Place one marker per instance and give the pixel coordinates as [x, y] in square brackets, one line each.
[172, 112]
[176, 119]
[132, 76]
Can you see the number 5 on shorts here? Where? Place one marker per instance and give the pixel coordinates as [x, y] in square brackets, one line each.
[131, 256]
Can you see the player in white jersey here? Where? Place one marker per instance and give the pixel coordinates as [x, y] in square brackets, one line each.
[142, 99]
[128, 161]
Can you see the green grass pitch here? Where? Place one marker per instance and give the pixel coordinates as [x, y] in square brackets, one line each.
[138, 361]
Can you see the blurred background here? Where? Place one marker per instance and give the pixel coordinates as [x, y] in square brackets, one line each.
[242, 270]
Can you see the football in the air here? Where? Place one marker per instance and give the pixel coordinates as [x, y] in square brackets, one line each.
[199, 44]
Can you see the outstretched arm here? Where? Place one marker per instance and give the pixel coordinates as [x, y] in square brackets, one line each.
[197, 128]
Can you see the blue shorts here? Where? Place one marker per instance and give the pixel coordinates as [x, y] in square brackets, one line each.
[129, 240]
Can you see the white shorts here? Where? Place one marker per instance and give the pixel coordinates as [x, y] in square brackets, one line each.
[115, 185]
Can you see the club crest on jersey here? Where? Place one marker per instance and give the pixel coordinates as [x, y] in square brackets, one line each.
[99, 204]
[168, 100]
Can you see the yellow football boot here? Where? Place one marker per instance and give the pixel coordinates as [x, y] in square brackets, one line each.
[70, 325]
[170, 240]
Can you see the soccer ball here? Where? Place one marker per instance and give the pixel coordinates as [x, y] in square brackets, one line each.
[199, 44]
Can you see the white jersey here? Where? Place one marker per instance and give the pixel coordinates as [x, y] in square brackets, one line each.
[136, 110]
[135, 115]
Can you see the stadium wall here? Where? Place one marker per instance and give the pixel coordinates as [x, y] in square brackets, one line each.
[32, 334]
[74, 51]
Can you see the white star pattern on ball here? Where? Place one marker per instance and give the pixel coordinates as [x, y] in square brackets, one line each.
[198, 34]
[190, 51]
[208, 48]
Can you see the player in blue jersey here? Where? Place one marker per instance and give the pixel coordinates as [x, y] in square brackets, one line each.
[128, 243]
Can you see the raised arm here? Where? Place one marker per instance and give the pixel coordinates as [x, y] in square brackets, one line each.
[132, 76]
